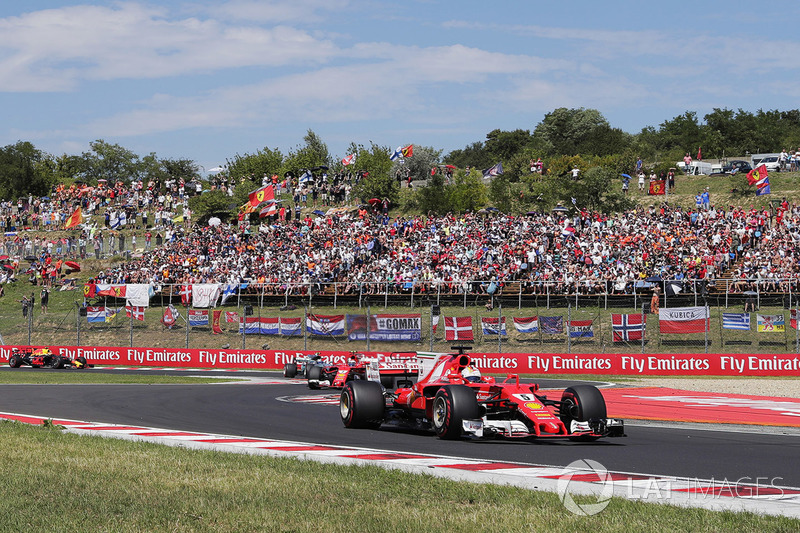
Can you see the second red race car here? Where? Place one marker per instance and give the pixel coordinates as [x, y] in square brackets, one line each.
[453, 400]
[391, 372]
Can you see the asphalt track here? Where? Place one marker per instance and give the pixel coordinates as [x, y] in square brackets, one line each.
[253, 410]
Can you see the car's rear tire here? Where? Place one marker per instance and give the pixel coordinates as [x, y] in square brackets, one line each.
[15, 361]
[362, 404]
[581, 403]
[290, 370]
[314, 373]
[451, 406]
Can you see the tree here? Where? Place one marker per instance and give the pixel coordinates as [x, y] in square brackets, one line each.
[468, 193]
[419, 165]
[213, 203]
[503, 145]
[571, 131]
[474, 155]
[374, 164]
[432, 197]
[313, 154]
[111, 162]
[253, 167]
[24, 170]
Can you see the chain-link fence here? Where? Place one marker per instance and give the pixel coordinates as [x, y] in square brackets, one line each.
[684, 316]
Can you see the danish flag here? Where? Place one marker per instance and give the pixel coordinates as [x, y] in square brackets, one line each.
[458, 328]
[135, 310]
[186, 294]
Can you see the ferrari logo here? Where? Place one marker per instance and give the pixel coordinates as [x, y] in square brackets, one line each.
[260, 196]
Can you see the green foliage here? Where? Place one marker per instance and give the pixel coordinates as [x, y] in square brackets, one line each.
[563, 165]
[25, 170]
[468, 193]
[420, 164]
[111, 162]
[254, 166]
[312, 154]
[578, 131]
[504, 194]
[503, 145]
[432, 198]
[213, 203]
[474, 155]
[376, 163]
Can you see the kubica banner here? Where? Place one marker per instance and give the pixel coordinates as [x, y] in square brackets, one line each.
[385, 327]
[491, 363]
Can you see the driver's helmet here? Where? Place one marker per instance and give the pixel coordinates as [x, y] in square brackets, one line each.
[471, 374]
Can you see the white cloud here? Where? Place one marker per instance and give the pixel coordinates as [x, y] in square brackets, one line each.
[56, 50]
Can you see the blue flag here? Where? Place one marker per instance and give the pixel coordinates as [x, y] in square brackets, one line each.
[552, 324]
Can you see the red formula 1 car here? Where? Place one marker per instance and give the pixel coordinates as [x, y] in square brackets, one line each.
[453, 405]
[390, 372]
[44, 358]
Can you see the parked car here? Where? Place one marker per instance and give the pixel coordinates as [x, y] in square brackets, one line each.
[772, 163]
[737, 165]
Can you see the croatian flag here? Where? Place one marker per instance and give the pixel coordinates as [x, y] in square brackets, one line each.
[198, 317]
[489, 325]
[328, 325]
[528, 324]
[627, 327]
[458, 328]
[683, 320]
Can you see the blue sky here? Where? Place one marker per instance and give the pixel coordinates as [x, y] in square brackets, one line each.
[205, 80]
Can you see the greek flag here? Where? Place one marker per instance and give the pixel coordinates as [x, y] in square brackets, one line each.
[736, 321]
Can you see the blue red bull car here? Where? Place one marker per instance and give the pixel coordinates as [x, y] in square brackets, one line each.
[455, 403]
[44, 358]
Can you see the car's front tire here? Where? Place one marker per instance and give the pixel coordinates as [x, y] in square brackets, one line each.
[581, 403]
[451, 406]
[362, 404]
[314, 375]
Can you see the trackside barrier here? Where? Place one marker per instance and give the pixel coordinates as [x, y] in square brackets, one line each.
[694, 364]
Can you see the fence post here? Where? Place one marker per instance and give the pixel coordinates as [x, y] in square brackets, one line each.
[386, 296]
[519, 296]
[569, 328]
[499, 326]
[367, 324]
[335, 294]
[644, 328]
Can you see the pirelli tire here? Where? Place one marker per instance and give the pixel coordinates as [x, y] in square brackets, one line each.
[582, 403]
[362, 404]
[57, 362]
[451, 406]
[15, 361]
[314, 376]
[83, 362]
[290, 370]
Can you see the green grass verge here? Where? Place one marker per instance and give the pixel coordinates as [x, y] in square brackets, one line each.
[66, 377]
[61, 482]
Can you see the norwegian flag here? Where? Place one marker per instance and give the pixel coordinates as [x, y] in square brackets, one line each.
[136, 311]
[458, 328]
[627, 327]
[186, 294]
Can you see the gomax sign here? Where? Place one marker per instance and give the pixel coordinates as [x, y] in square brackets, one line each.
[490, 363]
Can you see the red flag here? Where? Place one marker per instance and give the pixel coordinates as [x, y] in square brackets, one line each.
[699, 155]
[186, 294]
[408, 151]
[90, 290]
[215, 322]
[74, 219]
[657, 187]
[170, 316]
[136, 311]
[349, 160]
[270, 209]
[263, 194]
[458, 328]
[231, 316]
[757, 174]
